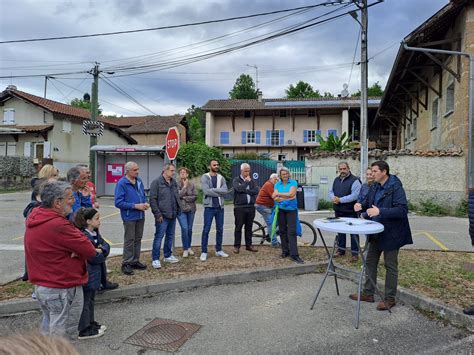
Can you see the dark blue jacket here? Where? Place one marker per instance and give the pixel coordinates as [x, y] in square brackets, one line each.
[126, 196]
[95, 265]
[393, 214]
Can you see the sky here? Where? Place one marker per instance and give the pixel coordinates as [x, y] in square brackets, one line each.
[321, 55]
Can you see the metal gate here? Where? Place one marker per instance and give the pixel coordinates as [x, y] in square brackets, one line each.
[260, 169]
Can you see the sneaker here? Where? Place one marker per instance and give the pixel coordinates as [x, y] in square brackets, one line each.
[185, 254]
[203, 257]
[98, 326]
[222, 254]
[191, 252]
[33, 295]
[171, 259]
[90, 333]
[276, 244]
[156, 264]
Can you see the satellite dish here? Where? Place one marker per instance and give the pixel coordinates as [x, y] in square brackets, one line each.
[345, 92]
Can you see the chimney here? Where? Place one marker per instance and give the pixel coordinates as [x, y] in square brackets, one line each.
[11, 87]
[259, 95]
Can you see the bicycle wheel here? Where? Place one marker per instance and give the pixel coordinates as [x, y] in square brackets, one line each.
[258, 232]
[309, 235]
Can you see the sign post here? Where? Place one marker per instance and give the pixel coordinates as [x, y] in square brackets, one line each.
[172, 143]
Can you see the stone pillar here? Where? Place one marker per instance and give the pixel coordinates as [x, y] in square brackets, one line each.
[345, 122]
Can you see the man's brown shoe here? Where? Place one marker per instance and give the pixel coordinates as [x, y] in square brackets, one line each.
[236, 250]
[354, 258]
[385, 305]
[251, 248]
[363, 298]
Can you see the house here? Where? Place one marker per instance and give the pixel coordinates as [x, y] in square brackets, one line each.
[426, 99]
[151, 130]
[285, 128]
[49, 131]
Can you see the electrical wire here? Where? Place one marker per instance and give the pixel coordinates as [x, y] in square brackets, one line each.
[353, 58]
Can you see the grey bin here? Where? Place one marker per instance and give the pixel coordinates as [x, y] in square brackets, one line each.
[311, 197]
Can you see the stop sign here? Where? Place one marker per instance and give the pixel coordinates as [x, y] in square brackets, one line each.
[172, 143]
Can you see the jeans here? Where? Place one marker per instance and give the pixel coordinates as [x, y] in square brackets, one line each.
[287, 223]
[62, 308]
[266, 213]
[209, 214]
[341, 238]
[186, 220]
[244, 216]
[164, 229]
[391, 266]
[132, 243]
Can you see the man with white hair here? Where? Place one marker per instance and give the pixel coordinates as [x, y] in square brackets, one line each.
[264, 205]
[245, 193]
[131, 200]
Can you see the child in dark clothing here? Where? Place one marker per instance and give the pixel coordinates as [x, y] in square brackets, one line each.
[88, 220]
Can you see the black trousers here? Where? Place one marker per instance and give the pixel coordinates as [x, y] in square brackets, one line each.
[287, 226]
[87, 316]
[243, 216]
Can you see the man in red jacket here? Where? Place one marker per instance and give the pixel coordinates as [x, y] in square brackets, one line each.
[56, 256]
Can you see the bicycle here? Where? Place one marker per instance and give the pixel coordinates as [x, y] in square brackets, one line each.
[308, 235]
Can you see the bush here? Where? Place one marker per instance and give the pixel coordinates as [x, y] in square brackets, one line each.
[412, 207]
[196, 157]
[430, 208]
[461, 209]
[325, 205]
[17, 166]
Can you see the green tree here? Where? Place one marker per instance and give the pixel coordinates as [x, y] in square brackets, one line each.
[334, 144]
[301, 90]
[328, 95]
[196, 157]
[84, 103]
[244, 88]
[374, 90]
[196, 131]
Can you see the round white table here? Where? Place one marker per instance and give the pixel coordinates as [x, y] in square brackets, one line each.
[346, 225]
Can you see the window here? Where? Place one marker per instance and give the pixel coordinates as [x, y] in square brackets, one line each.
[310, 135]
[332, 132]
[67, 128]
[247, 114]
[282, 113]
[11, 149]
[434, 113]
[250, 137]
[224, 138]
[227, 155]
[9, 116]
[449, 99]
[275, 137]
[311, 112]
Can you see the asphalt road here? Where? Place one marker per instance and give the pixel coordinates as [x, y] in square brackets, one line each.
[432, 233]
[270, 317]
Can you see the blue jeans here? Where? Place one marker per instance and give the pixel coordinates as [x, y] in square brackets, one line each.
[209, 214]
[266, 213]
[186, 220]
[163, 229]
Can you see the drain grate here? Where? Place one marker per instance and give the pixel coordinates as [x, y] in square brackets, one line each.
[163, 334]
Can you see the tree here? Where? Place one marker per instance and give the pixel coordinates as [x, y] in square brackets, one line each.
[328, 95]
[195, 111]
[196, 132]
[84, 103]
[374, 90]
[334, 144]
[301, 90]
[244, 88]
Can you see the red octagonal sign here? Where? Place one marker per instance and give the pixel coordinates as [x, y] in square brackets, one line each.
[172, 143]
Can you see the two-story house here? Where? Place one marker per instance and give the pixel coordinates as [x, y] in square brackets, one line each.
[48, 130]
[285, 129]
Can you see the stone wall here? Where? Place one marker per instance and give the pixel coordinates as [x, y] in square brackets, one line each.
[439, 178]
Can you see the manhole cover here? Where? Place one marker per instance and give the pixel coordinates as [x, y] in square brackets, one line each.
[163, 334]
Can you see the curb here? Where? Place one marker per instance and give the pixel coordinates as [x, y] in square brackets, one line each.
[451, 314]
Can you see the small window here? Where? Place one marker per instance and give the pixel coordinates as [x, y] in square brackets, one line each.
[311, 112]
[312, 136]
[227, 155]
[11, 149]
[224, 138]
[450, 99]
[434, 113]
[250, 137]
[247, 114]
[332, 132]
[275, 137]
[282, 113]
[67, 127]
[9, 116]
[281, 157]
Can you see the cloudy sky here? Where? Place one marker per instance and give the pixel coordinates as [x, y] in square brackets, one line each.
[168, 79]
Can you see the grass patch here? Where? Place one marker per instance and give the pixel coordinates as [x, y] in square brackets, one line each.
[9, 191]
[325, 205]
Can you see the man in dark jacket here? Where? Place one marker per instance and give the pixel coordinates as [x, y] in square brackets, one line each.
[245, 193]
[165, 205]
[385, 203]
[344, 193]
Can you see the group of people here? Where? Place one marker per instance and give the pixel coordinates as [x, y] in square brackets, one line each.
[172, 200]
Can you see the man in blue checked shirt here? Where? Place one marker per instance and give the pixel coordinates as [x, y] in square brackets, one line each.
[344, 193]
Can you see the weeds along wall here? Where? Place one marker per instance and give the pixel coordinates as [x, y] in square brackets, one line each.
[441, 179]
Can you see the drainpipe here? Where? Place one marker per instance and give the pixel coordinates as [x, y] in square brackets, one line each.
[470, 163]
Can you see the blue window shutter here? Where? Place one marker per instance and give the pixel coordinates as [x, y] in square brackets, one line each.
[257, 137]
[269, 137]
[244, 137]
[305, 136]
[318, 131]
[282, 137]
[224, 138]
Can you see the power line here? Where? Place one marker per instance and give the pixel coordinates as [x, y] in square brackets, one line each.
[166, 27]
[353, 58]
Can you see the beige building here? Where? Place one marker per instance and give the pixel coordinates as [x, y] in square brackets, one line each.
[285, 129]
[49, 131]
[426, 98]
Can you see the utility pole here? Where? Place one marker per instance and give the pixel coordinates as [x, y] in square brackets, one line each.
[256, 74]
[45, 84]
[94, 111]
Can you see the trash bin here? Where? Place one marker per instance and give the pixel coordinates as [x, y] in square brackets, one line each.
[311, 197]
[300, 196]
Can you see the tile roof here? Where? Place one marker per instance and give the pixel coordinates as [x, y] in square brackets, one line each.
[125, 122]
[284, 103]
[156, 124]
[28, 129]
[383, 154]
